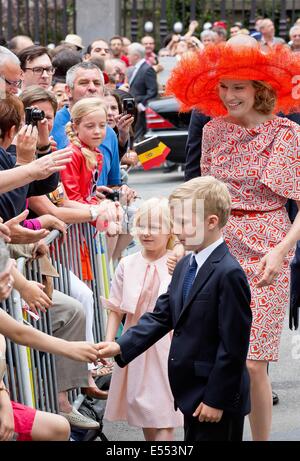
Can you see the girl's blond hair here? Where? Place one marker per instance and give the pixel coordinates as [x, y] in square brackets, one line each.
[152, 208]
[84, 107]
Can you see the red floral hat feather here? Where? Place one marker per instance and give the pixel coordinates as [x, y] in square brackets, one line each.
[194, 81]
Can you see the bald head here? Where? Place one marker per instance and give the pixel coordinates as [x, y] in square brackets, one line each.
[10, 69]
[242, 40]
[266, 27]
[19, 43]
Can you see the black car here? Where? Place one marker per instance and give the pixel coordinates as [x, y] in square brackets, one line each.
[164, 121]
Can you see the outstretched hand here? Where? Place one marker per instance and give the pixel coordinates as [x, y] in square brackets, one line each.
[108, 349]
[20, 234]
[50, 163]
[82, 351]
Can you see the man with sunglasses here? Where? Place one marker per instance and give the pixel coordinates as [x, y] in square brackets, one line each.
[37, 68]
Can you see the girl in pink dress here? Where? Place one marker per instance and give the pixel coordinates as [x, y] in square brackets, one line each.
[257, 155]
[140, 393]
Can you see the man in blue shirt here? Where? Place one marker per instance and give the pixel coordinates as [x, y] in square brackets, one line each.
[85, 80]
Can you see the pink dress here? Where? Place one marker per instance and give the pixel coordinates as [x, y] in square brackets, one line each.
[261, 167]
[140, 393]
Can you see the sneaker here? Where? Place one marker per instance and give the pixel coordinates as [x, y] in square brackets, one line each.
[76, 419]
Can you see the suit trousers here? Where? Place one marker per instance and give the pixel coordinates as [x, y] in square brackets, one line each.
[68, 322]
[140, 127]
[229, 429]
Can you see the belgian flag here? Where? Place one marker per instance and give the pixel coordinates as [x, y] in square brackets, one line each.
[151, 152]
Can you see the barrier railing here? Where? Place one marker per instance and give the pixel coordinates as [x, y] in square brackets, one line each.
[31, 375]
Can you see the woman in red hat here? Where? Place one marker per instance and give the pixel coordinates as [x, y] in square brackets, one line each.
[257, 155]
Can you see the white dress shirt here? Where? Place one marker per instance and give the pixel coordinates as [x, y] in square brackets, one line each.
[136, 69]
[202, 255]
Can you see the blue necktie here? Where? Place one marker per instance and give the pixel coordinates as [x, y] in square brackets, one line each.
[189, 278]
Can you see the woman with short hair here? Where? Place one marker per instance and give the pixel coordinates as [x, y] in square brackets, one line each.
[256, 154]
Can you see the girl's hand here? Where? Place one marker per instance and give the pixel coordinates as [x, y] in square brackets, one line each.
[33, 294]
[177, 253]
[100, 192]
[171, 264]
[50, 163]
[110, 217]
[82, 351]
[270, 266]
[26, 144]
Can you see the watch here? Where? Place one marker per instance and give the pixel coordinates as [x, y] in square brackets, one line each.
[94, 212]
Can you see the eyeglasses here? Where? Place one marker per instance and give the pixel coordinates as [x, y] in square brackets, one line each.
[95, 181]
[40, 70]
[16, 83]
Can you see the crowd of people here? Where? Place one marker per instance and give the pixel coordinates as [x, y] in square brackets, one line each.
[67, 136]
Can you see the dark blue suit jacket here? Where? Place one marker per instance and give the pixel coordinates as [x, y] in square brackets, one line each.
[144, 85]
[207, 360]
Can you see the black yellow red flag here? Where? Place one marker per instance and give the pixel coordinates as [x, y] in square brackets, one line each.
[151, 152]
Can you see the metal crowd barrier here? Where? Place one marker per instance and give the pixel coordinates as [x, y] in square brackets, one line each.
[31, 375]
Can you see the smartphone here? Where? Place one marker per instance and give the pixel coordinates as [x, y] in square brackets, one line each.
[129, 106]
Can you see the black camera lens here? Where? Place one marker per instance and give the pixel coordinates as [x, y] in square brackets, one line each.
[37, 115]
[114, 196]
[33, 115]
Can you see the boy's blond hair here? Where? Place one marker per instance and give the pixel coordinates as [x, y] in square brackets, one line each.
[215, 194]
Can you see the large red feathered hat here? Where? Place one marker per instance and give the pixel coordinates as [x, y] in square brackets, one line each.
[194, 81]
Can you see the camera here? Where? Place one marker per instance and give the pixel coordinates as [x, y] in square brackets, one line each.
[33, 116]
[129, 106]
[114, 196]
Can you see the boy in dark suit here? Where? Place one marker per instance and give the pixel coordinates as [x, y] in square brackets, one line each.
[208, 307]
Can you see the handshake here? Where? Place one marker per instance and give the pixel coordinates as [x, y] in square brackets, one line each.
[84, 351]
[107, 349]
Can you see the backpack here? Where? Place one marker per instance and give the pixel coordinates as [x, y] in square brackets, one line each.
[94, 409]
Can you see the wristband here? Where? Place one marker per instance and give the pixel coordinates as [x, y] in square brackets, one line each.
[94, 212]
[44, 148]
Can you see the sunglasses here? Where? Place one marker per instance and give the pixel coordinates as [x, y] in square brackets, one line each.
[95, 178]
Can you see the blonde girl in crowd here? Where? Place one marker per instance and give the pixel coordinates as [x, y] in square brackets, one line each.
[140, 393]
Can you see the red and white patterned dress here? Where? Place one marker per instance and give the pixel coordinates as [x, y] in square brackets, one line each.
[261, 167]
